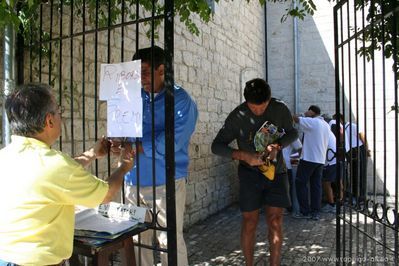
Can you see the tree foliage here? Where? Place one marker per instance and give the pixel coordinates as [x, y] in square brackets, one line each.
[382, 32]
[21, 12]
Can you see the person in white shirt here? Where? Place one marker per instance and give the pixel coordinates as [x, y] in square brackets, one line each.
[330, 174]
[356, 155]
[310, 167]
[287, 152]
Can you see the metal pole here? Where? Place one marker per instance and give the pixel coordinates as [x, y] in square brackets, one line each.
[339, 142]
[8, 74]
[266, 63]
[296, 64]
[170, 134]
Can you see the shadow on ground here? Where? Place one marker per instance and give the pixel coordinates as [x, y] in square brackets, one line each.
[215, 241]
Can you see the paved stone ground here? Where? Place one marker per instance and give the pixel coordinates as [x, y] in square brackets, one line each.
[215, 241]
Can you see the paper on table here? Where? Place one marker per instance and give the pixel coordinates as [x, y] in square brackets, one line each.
[90, 219]
[111, 218]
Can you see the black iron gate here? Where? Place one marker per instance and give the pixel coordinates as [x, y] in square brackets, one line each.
[68, 42]
[366, 61]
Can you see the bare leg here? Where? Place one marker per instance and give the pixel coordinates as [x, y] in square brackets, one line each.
[274, 220]
[248, 230]
[329, 193]
[341, 191]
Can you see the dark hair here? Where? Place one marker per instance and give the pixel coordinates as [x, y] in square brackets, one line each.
[315, 109]
[27, 107]
[158, 56]
[257, 91]
[341, 117]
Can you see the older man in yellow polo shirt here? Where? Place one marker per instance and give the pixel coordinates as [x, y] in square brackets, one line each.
[40, 186]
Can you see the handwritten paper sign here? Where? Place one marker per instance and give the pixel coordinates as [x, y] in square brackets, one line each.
[120, 86]
[125, 118]
[120, 80]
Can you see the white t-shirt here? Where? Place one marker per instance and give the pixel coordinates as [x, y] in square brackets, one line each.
[346, 135]
[316, 135]
[352, 133]
[331, 150]
[287, 151]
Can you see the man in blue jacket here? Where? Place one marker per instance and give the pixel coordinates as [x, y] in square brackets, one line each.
[185, 119]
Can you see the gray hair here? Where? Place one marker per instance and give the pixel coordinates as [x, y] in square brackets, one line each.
[27, 107]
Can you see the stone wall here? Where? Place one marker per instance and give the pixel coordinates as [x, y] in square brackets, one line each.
[212, 67]
[315, 57]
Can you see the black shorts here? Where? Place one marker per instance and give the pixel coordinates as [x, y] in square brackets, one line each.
[256, 190]
[330, 173]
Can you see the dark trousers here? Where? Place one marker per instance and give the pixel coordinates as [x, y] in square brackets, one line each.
[357, 159]
[290, 181]
[309, 173]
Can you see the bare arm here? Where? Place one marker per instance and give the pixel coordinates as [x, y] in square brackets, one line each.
[362, 137]
[253, 159]
[295, 118]
[115, 181]
[99, 150]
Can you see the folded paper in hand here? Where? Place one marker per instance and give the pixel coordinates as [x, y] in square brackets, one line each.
[111, 218]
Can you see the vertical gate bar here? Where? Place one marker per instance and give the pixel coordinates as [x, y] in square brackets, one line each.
[123, 31]
[360, 249]
[266, 56]
[169, 130]
[359, 236]
[30, 53]
[395, 43]
[96, 78]
[122, 60]
[342, 84]
[40, 41]
[19, 56]
[372, 10]
[337, 90]
[137, 153]
[154, 173]
[84, 74]
[137, 25]
[396, 78]
[50, 52]
[349, 83]
[137, 141]
[61, 8]
[384, 131]
[108, 61]
[109, 33]
[365, 243]
[71, 94]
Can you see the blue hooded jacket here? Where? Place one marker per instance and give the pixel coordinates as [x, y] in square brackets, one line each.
[186, 114]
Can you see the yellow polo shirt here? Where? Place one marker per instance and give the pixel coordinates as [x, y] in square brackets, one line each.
[39, 188]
